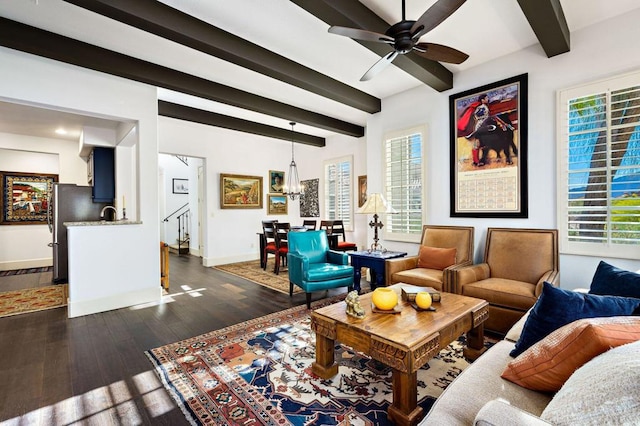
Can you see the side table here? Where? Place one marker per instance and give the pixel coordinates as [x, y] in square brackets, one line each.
[374, 260]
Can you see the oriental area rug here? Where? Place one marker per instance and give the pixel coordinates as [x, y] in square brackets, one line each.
[252, 271]
[33, 299]
[259, 373]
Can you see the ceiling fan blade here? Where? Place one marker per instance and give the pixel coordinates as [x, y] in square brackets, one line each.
[437, 13]
[360, 34]
[379, 66]
[440, 53]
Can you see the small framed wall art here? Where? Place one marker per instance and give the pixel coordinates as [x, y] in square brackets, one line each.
[362, 190]
[276, 181]
[180, 186]
[277, 204]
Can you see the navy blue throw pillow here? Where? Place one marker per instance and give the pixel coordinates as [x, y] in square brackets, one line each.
[612, 281]
[556, 307]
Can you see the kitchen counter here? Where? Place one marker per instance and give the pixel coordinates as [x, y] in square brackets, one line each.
[104, 267]
[104, 222]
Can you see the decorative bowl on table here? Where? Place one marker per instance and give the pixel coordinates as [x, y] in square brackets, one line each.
[384, 298]
[423, 300]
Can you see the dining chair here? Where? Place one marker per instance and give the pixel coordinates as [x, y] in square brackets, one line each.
[282, 247]
[335, 228]
[268, 241]
[309, 224]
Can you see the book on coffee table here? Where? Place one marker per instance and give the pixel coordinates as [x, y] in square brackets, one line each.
[409, 292]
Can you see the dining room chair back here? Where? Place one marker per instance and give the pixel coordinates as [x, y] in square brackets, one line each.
[310, 225]
[281, 236]
[335, 230]
[268, 241]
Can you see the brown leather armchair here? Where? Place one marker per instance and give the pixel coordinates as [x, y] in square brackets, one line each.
[407, 270]
[516, 263]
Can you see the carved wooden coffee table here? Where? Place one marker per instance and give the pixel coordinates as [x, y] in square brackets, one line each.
[404, 341]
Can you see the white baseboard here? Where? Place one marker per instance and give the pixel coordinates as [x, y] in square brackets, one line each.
[224, 260]
[25, 264]
[93, 306]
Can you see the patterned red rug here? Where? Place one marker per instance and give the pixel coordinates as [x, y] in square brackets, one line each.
[33, 299]
[259, 373]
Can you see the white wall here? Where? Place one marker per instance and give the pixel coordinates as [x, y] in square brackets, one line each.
[38, 81]
[602, 50]
[25, 246]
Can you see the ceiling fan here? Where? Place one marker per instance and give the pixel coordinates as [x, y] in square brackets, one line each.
[404, 36]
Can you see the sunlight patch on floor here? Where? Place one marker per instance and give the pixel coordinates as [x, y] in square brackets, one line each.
[169, 298]
[112, 404]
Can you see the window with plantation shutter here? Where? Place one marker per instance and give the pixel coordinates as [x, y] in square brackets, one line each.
[403, 183]
[338, 190]
[599, 168]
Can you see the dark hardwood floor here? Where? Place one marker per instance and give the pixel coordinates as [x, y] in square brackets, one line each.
[93, 370]
[21, 282]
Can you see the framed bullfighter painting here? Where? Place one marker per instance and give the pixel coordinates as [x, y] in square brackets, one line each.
[489, 150]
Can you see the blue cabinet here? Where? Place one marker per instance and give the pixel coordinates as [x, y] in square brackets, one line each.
[103, 174]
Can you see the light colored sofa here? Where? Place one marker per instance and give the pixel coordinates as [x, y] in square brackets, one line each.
[596, 391]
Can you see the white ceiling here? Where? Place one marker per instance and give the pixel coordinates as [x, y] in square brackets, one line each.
[484, 29]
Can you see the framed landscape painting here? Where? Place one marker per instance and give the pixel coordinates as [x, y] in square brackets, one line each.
[277, 204]
[488, 150]
[240, 191]
[25, 197]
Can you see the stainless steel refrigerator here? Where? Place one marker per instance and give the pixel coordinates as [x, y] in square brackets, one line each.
[69, 203]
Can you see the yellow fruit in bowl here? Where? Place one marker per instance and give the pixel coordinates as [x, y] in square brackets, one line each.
[423, 300]
[384, 298]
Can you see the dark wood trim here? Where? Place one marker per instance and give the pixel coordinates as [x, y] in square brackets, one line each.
[549, 24]
[43, 43]
[164, 21]
[181, 112]
[352, 13]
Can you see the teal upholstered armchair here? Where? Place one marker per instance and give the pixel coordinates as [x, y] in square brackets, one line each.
[313, 267]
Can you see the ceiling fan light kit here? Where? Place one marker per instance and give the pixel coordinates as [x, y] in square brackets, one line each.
[404, 36]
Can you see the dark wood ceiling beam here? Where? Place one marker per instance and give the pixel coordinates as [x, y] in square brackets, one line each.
[352, 13]
[164, 21]
[195, 115]
[547, 20]
[39, 42]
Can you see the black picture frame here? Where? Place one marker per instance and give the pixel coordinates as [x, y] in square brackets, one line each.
[488, 158]
[180, 186]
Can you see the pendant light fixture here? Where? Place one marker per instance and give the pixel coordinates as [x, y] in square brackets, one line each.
[293, 189]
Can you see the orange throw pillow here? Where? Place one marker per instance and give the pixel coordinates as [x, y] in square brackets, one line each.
[436, 258]
[546, 365]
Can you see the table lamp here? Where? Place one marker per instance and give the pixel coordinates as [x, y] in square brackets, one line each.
[376, 204]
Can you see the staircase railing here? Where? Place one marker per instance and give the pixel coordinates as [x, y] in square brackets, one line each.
[166, 219]
[184, 221]
[183, 230]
